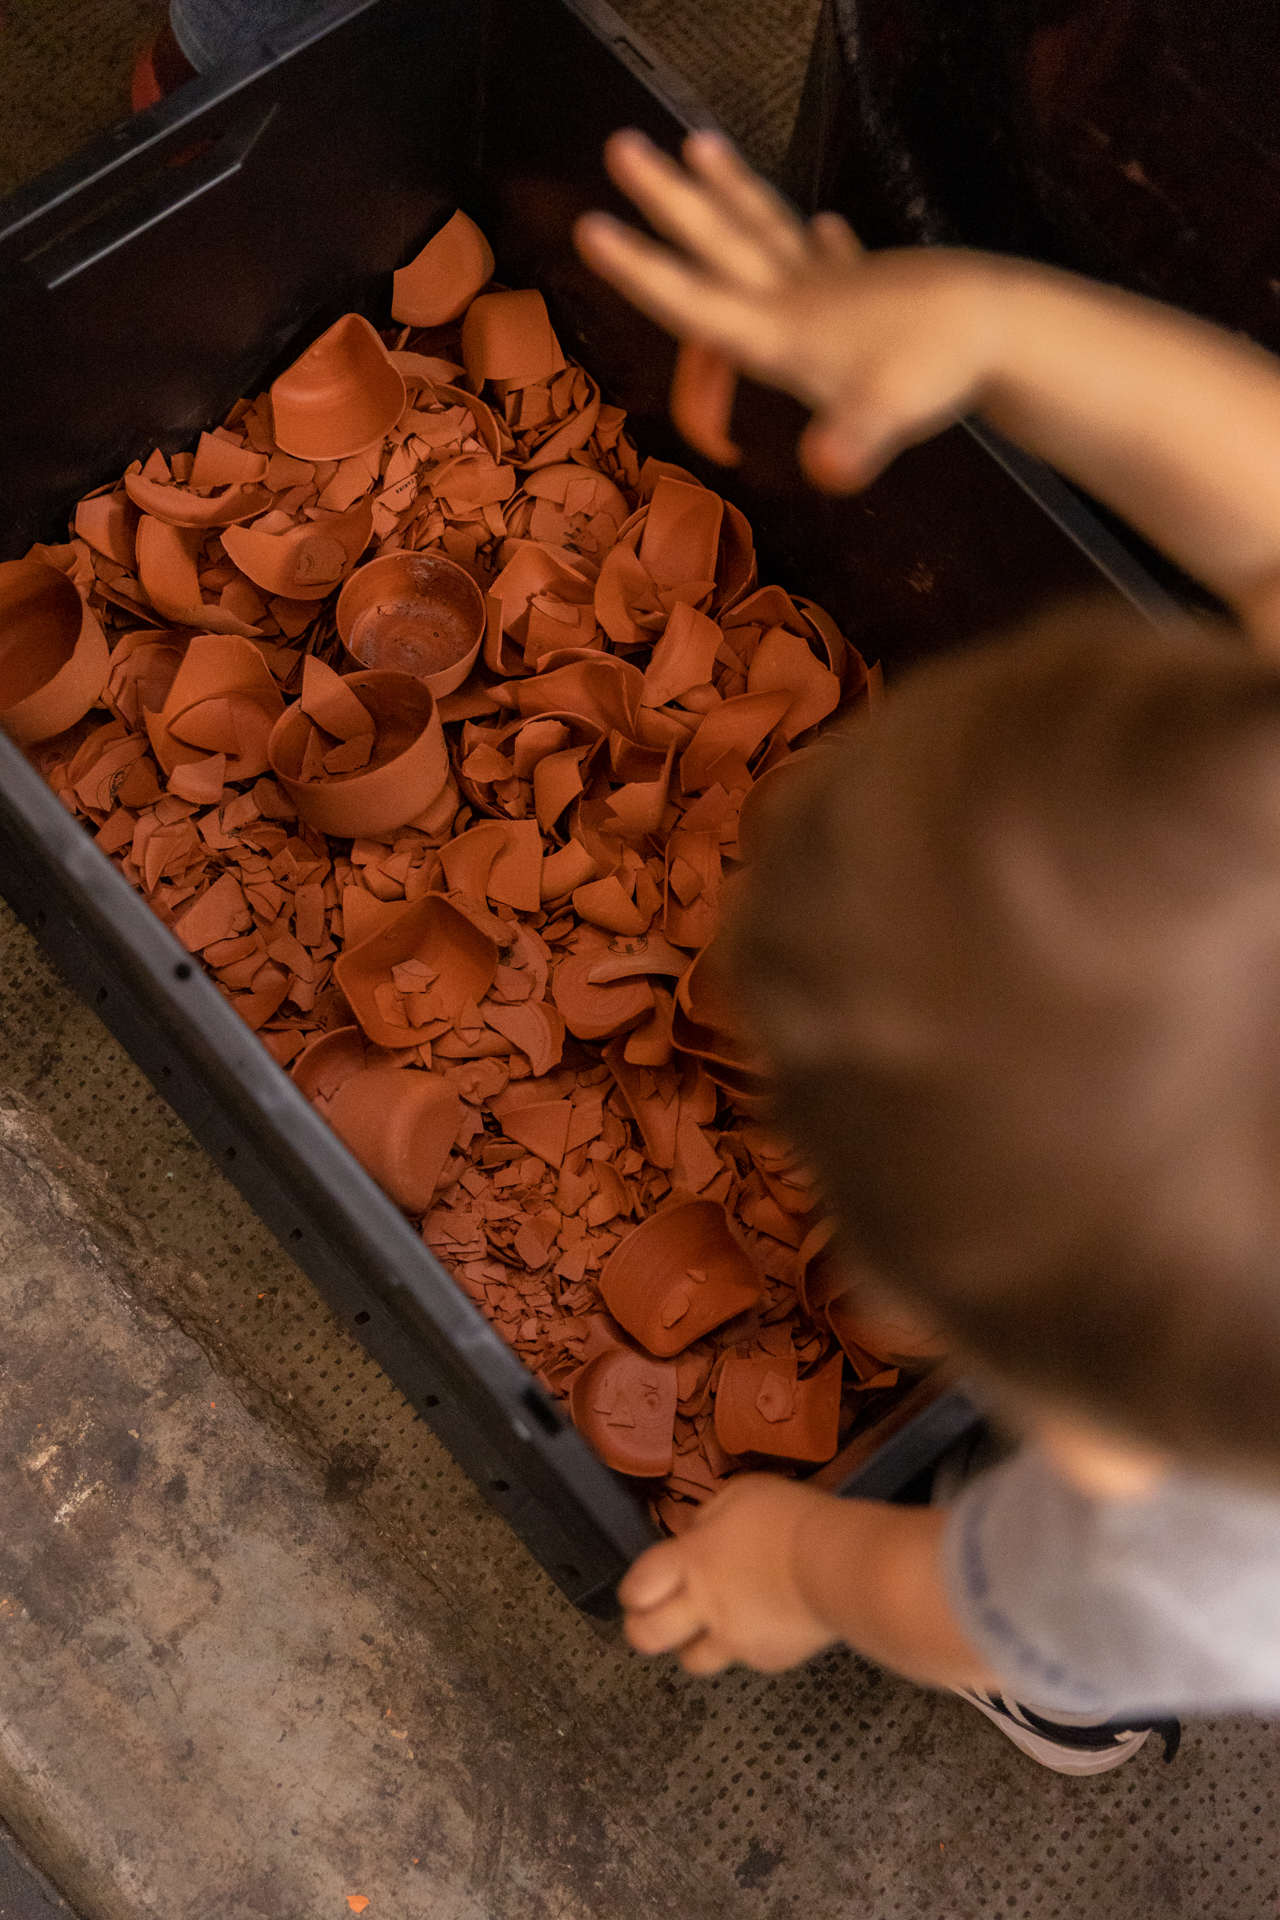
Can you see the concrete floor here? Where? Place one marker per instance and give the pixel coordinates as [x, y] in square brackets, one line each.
[263, 1648]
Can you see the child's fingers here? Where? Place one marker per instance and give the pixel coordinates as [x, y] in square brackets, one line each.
[705, 1655]
[751, 200]
[835, 239]
[677, 205]
[661, 285]
[656, 1576]
[662, 1629]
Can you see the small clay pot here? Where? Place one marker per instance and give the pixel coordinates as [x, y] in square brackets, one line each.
[761, 1407]
[439, 284]
[54, 658]
[508, 336]
[624, 1406]
[678, 1275]
[463, 960]
[339, 396]
[406, 771]
[417, 613]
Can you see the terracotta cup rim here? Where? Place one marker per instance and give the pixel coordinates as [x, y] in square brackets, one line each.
[406, 574]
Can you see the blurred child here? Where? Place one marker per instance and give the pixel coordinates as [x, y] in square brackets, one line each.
[1013, 953]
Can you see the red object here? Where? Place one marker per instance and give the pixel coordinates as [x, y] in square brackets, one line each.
[160, 69]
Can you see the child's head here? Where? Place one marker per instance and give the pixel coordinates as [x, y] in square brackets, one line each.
[1014, 953]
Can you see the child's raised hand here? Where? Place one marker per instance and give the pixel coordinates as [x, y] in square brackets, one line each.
[885, 348]
[728, 1589]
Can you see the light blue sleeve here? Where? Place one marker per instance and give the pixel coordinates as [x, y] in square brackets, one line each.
[1165, 1604]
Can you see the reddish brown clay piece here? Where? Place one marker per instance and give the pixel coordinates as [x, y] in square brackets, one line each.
[624, 1404]
[457, 965]
[679, 1275]
[762, 1407]
[418, 613]
[439, 284]
[353, 777]
[339, 396]
[53, 656]
[703, 385]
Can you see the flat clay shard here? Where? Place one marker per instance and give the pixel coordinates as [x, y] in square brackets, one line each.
[339, 396]
[366, 781]
[762, 1407]
[459, 962]
[678, 1275]
[418, 613]
[475, 923]
[439, 284]
[624, 1404]
[54, 658]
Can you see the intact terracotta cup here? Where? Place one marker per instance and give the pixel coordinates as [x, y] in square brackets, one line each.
[624, 1405]
[417, 613]
[397, 1121]
[406, 771]
[339, 396]
[678, 1275]
[54, 658]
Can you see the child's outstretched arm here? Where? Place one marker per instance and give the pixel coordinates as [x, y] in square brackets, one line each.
[773, 1570]
[1171, 421]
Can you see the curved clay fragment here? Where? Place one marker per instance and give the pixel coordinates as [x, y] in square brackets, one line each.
[679, 1274]
[222, 701]
[508, 336]
[179, 507]
[418, 613]
[349, 776]
[439, 284]
[457, 961]
[703, 386]
[624, 1405]
[762, 1407]
[400, 1124]
[170, 578]
[305, 562]
[54, 659]
[339, 396]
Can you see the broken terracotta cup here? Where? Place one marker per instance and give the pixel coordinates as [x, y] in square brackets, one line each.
[420, 970]
[439, 284]
[304, 562]
[763, 1407]
[398, 1121]
[624, 1406]
[678, 1275]
[223, 700]
[339, 396]
[508, 336]
[354, 778]
[418, 613]
[54, 659]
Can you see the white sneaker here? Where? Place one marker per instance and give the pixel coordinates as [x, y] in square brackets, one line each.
[1070, 1744]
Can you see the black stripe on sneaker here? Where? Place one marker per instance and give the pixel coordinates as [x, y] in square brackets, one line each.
[1099, 1737]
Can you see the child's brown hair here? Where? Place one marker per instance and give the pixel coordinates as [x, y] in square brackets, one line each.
[1013, 952]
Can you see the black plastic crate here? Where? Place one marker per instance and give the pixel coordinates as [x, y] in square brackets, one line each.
[180, 261]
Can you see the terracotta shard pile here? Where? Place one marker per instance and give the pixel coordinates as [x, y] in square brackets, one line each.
[455, 843]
